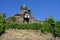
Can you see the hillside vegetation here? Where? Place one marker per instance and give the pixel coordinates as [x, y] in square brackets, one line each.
[45, 27]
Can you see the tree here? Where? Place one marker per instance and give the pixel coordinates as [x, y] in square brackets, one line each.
[2, 18]
[2, 23]
[51, 20]
[57, 28]
[13, 18]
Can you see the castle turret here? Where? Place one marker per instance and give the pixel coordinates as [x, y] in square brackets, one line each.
[25, 15]
[24, 9]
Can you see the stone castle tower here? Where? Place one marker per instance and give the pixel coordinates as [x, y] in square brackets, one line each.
[25, 16]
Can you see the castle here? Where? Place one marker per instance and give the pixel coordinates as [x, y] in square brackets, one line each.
[25, 16]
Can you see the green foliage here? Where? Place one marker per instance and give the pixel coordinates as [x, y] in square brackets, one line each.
[35, 26]
[2, 18]
[2, 22]
[45, 28]
[1, 28]
[51, 20]
[57, 28]
[13, 18]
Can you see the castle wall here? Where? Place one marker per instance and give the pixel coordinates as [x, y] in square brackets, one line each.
[19, 19]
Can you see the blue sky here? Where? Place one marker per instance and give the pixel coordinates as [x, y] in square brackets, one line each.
[40, 8]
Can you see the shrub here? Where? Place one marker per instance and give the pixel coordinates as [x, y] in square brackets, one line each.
[35, 26]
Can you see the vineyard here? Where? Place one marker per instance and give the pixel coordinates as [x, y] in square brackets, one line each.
[44, 27]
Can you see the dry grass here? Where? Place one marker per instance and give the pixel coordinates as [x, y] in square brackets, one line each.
[14, 34]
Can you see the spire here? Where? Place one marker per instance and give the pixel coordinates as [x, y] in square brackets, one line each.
[24, 7]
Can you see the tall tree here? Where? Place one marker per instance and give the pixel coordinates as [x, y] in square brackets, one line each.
[2, 22]
[51, 20]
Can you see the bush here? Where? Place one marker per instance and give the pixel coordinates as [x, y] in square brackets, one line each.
[2, 22]
[45, 28]
[57, 28]
[35, 26]
[2, 29]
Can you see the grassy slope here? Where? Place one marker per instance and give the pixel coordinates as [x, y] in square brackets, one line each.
[25, 35]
